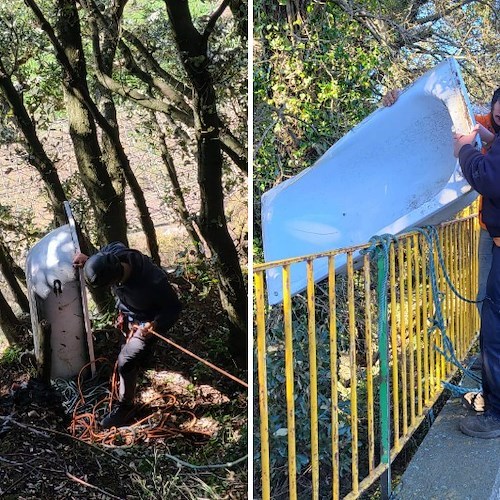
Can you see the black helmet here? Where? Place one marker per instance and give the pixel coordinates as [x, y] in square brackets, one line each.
[102, 269]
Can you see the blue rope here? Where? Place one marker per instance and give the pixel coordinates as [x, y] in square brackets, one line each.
[448, 351]
[458, 391]
[434, 235]
[382, 244]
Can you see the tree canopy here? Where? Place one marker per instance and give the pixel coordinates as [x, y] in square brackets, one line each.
[177, 70]
[321, 67]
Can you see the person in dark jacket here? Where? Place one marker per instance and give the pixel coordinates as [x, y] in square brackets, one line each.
[483, 174]
[490, 126]
[146, 301]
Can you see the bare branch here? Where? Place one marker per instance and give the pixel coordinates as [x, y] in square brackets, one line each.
[440, 15]
[92, 486]
[177, 85]
[158, 83]
[144, 100]
[213, 18]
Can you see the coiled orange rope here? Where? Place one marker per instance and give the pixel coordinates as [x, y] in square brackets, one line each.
[84, 426]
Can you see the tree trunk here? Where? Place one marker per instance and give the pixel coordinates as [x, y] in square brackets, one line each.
[212, 221]
[175, 92]
[182, 211]
[44, 362]
[109, 207]
[10, 325]
[8, 274]
[239, 9]
[16, 270]
[113, 153]
[37, 156]
[104, 54]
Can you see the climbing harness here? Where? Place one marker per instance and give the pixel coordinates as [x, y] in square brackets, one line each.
[120, 324]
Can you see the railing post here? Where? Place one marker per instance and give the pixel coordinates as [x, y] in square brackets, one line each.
[385, 406]
[262, 377]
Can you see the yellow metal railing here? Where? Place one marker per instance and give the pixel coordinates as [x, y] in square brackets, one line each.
[321, 370]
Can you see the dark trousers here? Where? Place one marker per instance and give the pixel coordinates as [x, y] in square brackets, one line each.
[136, 350]
[490, 337]
[132, 355]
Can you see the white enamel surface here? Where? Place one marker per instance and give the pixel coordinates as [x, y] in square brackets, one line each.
[395, 170]
[51, 260]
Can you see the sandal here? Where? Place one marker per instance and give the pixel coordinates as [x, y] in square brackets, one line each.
[473, 401]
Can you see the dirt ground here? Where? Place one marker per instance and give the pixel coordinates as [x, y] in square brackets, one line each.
[205, 419]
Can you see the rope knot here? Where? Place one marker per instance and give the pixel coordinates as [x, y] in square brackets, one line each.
[379, 242]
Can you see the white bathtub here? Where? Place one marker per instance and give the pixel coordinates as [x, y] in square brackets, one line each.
[394, 171]
[56, 294]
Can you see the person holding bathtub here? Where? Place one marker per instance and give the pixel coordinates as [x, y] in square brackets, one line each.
[482, 171]
[487, 126]
[146, 301]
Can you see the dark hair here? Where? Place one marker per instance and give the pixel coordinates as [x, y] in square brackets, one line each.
[495, 98]
[102, 269]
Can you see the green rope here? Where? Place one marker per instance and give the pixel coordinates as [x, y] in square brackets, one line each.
[379, 247]
[448, 351]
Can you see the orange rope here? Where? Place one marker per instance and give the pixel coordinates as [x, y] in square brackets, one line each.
[201, 360]
[154, 426]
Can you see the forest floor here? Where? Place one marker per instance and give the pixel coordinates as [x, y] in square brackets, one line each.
[205, 420]
[204, 425]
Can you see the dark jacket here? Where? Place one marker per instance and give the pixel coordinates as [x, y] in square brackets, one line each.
[483, 174]
[146, 295]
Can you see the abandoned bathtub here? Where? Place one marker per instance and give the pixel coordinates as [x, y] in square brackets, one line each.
[61, 327]
[394, 171]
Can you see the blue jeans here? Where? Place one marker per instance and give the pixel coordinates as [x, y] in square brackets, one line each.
[490, 337]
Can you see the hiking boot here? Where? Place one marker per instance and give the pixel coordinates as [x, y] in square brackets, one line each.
[473, 401]
[486, 426]
[119, 416]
